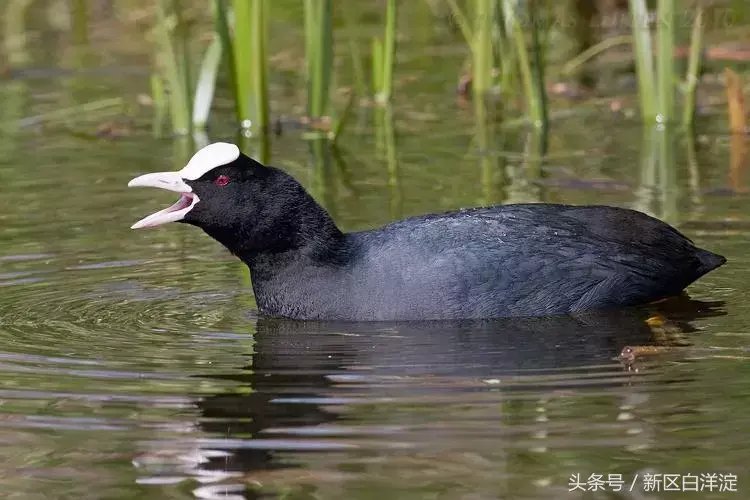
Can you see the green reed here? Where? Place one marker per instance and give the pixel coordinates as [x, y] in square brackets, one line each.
[477, 30]
[204, 89]
[385, 151]
[319, 53]
[243, 48]
[188, 99]
[224, 32]
[665, 64]
[529, 62]
[173, 63]
[694, 66]
[250, 51]
[489, 164]
[482, 47]
[496, 33]
[323, 173]
[342, 120]
[383, 57]
[644, 59]
[190, 93]
[352, 28]
[506, 56]
[657, 77]
[595, 50]
[658, 192]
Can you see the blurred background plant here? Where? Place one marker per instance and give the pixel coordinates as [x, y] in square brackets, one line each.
[528, 62]
[512, 46]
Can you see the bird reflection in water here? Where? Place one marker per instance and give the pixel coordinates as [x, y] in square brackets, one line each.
[296, 400]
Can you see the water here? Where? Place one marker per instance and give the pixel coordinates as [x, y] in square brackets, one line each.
[134, 364]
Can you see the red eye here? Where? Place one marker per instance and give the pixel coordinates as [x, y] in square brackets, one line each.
[222, 180]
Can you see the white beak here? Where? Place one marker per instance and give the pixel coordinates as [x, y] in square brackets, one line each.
[171, 181]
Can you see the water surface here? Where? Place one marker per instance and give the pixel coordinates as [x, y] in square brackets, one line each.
[134, 364]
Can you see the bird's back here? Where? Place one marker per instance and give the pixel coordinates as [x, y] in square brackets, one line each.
[520, 260]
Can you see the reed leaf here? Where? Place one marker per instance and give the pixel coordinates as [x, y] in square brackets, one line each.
[579, 60]
[181, 36]
[173, 70]
[343, 120]
[204, 90]
[463, 22]
[224, 31]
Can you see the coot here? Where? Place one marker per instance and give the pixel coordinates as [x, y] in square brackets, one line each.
[511, 260]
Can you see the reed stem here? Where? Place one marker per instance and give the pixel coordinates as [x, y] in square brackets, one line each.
[644, 58]
[538, 96]
[694, 67]
[173, 70]
[319, 49]
[387, 56]
[242, 46]
[356, 57]
[524, 65]
[481, 48]
[182, 53]
[259, 64]
[204, 90]
[666, 63]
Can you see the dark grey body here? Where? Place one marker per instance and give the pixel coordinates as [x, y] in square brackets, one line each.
[513, 260]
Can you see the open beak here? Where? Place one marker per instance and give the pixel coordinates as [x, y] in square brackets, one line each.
[171, 181]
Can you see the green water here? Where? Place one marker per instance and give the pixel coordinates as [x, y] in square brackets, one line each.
[134, 364]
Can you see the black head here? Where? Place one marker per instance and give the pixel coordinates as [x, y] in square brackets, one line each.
[248, 207]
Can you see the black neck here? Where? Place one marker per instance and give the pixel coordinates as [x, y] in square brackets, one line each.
[317, 246]
[294, 225]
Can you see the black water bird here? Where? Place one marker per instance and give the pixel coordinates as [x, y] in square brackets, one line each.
[501, 261]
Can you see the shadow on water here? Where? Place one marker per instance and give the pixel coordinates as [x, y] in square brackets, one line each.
[301, 388]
